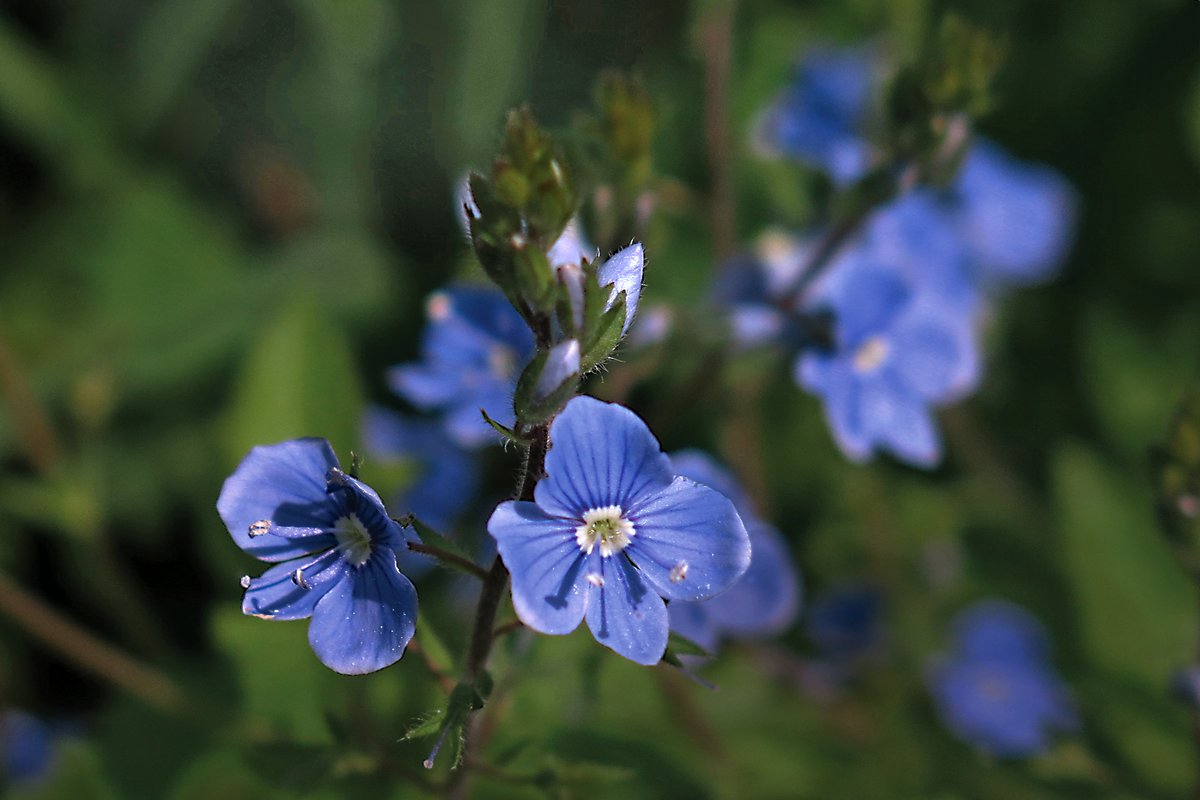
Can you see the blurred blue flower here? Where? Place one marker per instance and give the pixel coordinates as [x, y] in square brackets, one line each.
[612, 532]
[996, 689]
[819, 118]
[766, 599]
[846, 623]
[472, 351]
[1016, 219]
[447, 475]
[333, 547]
[26, 748]
[899, 350]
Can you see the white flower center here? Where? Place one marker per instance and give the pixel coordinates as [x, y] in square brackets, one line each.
[353, 540]
[606, 526]
[871, 354]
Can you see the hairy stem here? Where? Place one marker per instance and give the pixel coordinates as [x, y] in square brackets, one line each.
[450, 558]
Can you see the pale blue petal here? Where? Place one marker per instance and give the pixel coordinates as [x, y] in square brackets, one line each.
[928, 357]
[284, 484]
[548, 585]
[276, 594]
[626, 614]
[571, 246]
[688, 541]
[601, 454]
[623, 271]
[367, 619]
[899, 421]
[835, 381]
[704, 469]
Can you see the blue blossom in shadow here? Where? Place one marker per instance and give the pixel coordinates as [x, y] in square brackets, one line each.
[1017, 220]
[612, 531]
[819, 118]
[899, 351]
[471, 353]
[996, 689]
[26, 748]
[766, 599]
[846, 623]
[333, 550]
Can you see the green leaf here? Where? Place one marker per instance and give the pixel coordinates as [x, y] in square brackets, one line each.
[506, 432]
[1135, 606]
[299, 380]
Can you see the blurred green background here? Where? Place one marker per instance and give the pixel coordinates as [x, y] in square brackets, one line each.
[220, 219]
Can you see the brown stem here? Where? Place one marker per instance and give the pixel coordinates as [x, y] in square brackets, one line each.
[62, 635]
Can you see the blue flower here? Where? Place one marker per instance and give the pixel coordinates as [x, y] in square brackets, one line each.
[333, 548]
[766, 599]
[472, 351]
[1016, 219]
[899, 350]
[996, 689]
[846, 623]
[820, 117]
[26, 748]
[612, 531]
[447, 477]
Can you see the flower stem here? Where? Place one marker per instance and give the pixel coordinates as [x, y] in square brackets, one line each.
[465, 564]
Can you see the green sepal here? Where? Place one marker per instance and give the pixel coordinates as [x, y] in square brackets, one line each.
[534, 410]
[508, 433]
[534, 277]
[604, 334]
[681, 645]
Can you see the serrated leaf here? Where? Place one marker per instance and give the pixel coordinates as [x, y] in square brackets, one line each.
[427, 725]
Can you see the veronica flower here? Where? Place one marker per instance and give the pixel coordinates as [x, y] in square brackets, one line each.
[996, 689]
[820, 117]
[612, 531]
[333, 549]
[472, 350]
[898, 352]
[1016, 219]
[766, 599]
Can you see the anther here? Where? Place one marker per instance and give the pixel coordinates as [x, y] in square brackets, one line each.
[245, 581]
[298, 579]
[595, 579]
[260, 528]
[678, 572]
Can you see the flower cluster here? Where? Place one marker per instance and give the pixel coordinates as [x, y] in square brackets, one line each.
[907, 291]
[27, 752]
[333, 550]
[612, 532]
[996, 688]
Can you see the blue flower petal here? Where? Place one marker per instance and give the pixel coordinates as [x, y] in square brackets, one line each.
[703, 469]
[928, 356]
[284, 484]
[623, 271]
[549, 590]
[766, 599]
[899, 421]
[626, 614]
[276, 594]
[997, 629]
[26, 748]
[366, 619]
[689, 541]
[601, 454]
[835, 381]
[571, 246]
[562, 365]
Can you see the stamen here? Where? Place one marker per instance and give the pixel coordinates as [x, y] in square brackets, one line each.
[437, 746]
[245, 581]
[678, 572]
[298, 579]
[606, 526]
[595, 579]
[871, 354]
[260, 528]
[335, 477]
